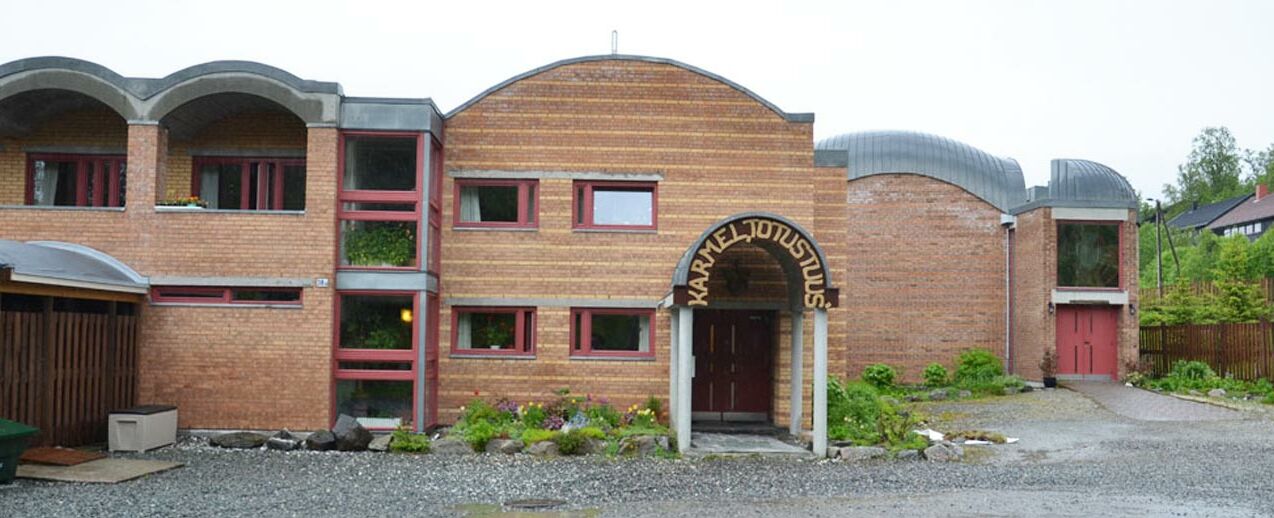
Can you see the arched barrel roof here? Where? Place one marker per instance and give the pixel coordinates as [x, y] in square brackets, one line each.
[1082, 184]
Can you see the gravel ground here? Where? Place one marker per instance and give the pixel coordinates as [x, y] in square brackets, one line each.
[1074, 458]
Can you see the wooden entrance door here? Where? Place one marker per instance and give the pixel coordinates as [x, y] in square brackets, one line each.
[1086, 341]
[732, 377]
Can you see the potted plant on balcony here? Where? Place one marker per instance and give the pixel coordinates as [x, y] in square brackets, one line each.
[495, 335]
[380, 244]
[1048, 366]
[191, 202]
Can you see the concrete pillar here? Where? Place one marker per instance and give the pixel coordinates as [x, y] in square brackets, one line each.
[820, 382]
[685, 372]
[797, 414]
[673, 359]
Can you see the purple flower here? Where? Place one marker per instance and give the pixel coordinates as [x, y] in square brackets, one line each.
[553, 422]
[507, 406]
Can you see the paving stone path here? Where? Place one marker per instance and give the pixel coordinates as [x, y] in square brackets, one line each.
[1144, 405]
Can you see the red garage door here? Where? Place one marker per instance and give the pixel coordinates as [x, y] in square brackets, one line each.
[1086, 341]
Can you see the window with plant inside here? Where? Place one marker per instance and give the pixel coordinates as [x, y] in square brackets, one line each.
[379, 200]
[493, 331]
[1088, 255]
[375, 357]
[612, 332]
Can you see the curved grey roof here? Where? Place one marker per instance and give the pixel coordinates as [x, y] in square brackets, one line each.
[1082, 184]
[790, 117]
[996, 180]
[67, 264]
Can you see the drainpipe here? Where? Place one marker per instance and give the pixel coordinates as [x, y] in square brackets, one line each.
[1009, 223]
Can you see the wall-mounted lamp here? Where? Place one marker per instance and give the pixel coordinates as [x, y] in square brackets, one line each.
[405, 314]
[1132, 309]
[1050, 308]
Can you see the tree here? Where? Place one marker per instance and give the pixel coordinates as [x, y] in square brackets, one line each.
[1212, 172]
[1260, 166]
[1238, 298]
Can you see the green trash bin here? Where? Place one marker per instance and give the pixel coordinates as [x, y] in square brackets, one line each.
[13, 441]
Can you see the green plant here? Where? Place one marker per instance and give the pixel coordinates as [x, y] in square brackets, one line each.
[533, 415]
[383, 338]
[478, 434]
[977, 366]
[603, 414]
[533, 435]
[852, 412]
[655, 405]
[480, 411]
[572, 442]
[495, 332]
[1191, 370]
[404, 441]
[390, 243]
[592, 432]
[897, 429]
[880, 376]
[936, 375]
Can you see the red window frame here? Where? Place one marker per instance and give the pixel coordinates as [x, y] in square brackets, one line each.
[106, 168]
[407, 356]
[411, 197]
[586, 326]
[522, 336]
[219, 295]
[435, 210]
[1119, 247]
[274, 202]
[584, 189]
[528, 192]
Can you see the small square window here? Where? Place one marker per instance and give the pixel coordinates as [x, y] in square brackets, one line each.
[380, 163]
[612, 332]
[615, 205]
[493, 331]
[483, 203]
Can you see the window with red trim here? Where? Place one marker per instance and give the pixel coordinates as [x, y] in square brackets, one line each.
[496, 203]
[615, 205]
[493, 331]
[225, 295]
[379, 199]
[76, 180]
[612, 332]
[375, 358]
[1088, 255]
[246, 183]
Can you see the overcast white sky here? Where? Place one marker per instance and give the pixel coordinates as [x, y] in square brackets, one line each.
[1125, 83]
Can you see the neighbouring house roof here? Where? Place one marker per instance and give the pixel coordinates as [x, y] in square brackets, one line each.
[1249, 211]
[1201, 216]
[66, 264]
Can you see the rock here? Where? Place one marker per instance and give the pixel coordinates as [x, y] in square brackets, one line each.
[863, 453]
[944, 452]
[1195, 393]
[380, 443]
[1027, 388]
[505, 446]
[806, 438]
[544, 449]
[592, 447]
[350, 436]
[283, 441]
[909, 455]
[1009, 391]
[938, 394]
[1216, 392]
[638, 445]
[238, 440]
[662, 442]
[321, 440]
[833, 452]
[842, 444]
[964, 394]
[450, 446]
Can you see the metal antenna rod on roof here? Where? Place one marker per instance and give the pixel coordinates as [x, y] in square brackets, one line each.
[614, 42]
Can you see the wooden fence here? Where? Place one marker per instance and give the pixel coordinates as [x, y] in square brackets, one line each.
[1245, 351]
[63, 372]
[1148, 296]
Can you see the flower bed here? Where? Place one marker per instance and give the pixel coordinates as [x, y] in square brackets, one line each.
[1197, 378]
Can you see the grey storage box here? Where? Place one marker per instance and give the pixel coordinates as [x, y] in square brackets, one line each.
[142, 428]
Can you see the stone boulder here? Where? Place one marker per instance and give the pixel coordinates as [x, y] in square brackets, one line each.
[350, 436]
[944, 452]
[638, 445]
[321, 440]
[863, 453]
[909, 455]
[238, 440]
[450, 446]
[283, 441]
[505, 446]
[592, 447]
[380, 443]
[1216, 392]
[938, 394]
[964, 394]
[544, 449]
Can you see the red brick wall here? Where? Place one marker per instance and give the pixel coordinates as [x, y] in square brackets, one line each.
[924, 273]
[96, 127]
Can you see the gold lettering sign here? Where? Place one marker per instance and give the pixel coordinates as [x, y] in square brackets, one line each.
[749, 230]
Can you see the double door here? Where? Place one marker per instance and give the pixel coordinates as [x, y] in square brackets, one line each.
[733, 370]
[1086, 341]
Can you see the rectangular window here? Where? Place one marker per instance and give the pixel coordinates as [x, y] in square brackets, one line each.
[375, 357]
[241, 183]
[615, 205]
[496, 203]
[493, 331]
[76, 180]
[378, 404]
[225, 295]
[1088, 255]
[379, 200]
[612, 332]
[380, 322]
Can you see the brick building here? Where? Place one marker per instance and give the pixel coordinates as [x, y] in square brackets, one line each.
[624, 226]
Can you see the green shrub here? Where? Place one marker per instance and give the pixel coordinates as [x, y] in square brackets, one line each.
[533, 435]
[480, 411]
[403, 441]
[478, 434]
[1269, 399]
[376, 243]
[533, 415]
[603, 414]
[572, 442]
[880, 376]
[655, 405]
[994, 386]
[978, 366]
[936, 375]
[852, 412]
[593, 432]
[1187, 370]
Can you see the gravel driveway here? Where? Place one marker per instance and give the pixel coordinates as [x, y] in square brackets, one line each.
[1074, 457]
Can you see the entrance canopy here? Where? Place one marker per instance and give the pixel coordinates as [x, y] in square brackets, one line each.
[66, 265]
[804, 264]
